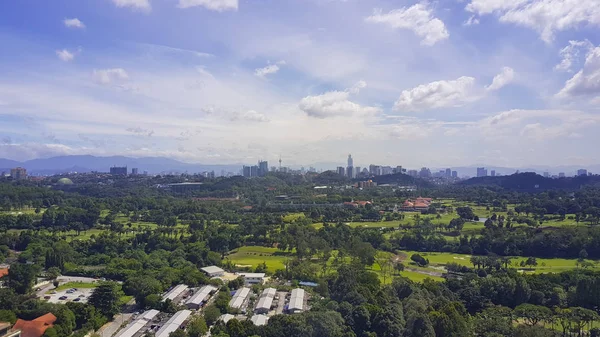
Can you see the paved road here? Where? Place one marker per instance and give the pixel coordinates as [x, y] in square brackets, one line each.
[109, 329]
[281, 303]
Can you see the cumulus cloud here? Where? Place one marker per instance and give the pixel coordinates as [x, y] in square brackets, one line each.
[505, 77]
[214, 5]
[586, 82]
[571, 53]
[544, 16]
[65, 55]
[418, 18]
[142, 5]
[73, 23]
[336, 103]
[447, 94]
[106, 76]
[250, 116]
[140, 131]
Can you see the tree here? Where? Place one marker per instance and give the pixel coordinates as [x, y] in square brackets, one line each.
[532, 314]
[451, 320]
[197, 327]
[22, 276]
[465, 213]
[211, 314]
[178, 333]
[106, 298]
[53, 273]
[419, 260]
[494, 321]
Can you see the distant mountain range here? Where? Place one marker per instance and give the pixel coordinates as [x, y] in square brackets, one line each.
[86, 163]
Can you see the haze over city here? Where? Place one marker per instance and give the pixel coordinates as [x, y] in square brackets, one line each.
[409, 83]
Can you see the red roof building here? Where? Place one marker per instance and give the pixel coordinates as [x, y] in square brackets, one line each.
[3, 272]
[37, 327]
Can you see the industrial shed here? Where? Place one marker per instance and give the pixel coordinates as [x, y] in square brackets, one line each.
[238, 299]
[265, 301]
[173, 323]
[200, 297]
[173, 293]
[296, 301]
[138, 324]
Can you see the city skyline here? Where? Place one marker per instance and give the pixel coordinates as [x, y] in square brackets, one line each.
[417, 82]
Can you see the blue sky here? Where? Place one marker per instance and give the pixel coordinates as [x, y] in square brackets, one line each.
[411, 83]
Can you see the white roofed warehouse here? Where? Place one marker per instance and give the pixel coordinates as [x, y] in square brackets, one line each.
[139, 324]
[239, 298]
[265, 302]
[175, 292]
[173, 323]
[259, 320]
[253, 278]
[296, 301]
[213, 271]
[200, 297]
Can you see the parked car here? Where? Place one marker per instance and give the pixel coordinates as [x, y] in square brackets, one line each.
[62, 298]
[77, 299]
[47, 297]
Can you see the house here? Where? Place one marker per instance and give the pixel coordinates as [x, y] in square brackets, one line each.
[173, 323]
[37, 327]
[3, 272]
[200, 297]
[213, 271]
[239, 298]
[296, 301]
[174, 292]
[259, 320]
[253, 278]
[418, 204]
[265, 302]
[6, 331]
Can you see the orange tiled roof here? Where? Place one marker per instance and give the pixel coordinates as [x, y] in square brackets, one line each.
[37, 327]
[3, 272]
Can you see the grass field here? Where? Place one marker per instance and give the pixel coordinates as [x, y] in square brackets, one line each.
[293, 217]
[77, 285]
[23, 211]
[255, 255]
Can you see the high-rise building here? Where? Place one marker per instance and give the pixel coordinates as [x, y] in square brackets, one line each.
[454, 174]
[350, 161]
[254, 171]
[375, 170]
[547, 174]
[492, 173]
[118, 171]
[413, 173]
[357, 171]
[263, 168]
[386, 170]
[18, 173]
[246, 171]
[582, 172]
[350, 172]
[448, 173]
[481, 172]
[340, 170]
[134, 171]
[561, 174]
[425, 173]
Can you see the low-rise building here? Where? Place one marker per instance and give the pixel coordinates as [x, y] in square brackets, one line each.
[253, 278]
[36, 327]
[259, 320]
[265, 302]
[173, 323]
[226, 318]
[296, 301]
[239, 298]
[200, 297]
[213, 271]
[6, 330]
[174, 292]
[137, 325]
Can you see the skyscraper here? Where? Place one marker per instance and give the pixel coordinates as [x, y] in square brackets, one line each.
[263, 168]
[493, 173]
[481, 172]
[18, 173]
[582, 172]
[350, 161]
[350, 168]
[448, 173]
[340, 170]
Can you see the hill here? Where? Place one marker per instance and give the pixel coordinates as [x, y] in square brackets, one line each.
[533, 182]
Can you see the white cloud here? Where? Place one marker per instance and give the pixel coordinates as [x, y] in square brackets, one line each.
[505, 77]
[571, 53]
[215, 5]
[65, 55]
[544, 16]
[471, 21]
[251, 116]
[586, 82]
[447, 94]
[336, 103]
[418, 18]
[437, 94]
[73, 23]
[270, 69]
[106, 76]
[142, 5]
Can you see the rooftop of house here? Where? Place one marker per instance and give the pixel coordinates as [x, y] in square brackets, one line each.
[36, 327]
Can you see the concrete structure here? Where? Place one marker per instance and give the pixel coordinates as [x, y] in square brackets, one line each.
[239, 298]
[18, 173]
[561, 175]
[118, 171]
[263, 168]
[173, 323]
[253, 278]
[213, 271]
[7, 331]
[200, 297]
[296, 301]
[174, 292]
[226, 318]
[481, 172]
[135, 171]
[137, 325]
[341, 171]
[580, 172]
[493, 173]
[454, 174]
[259, 320]
[265, 302]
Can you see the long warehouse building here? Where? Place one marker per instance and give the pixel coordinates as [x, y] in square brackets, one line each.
[200, 297]
[239, 297]
[265, 301]
[173, 323]
[296, 301]
[173, 293]
[138, 324]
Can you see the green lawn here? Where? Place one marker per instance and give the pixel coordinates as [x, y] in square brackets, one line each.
[293, 217]
[27, 210]
[255, 255]
[78, 285]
